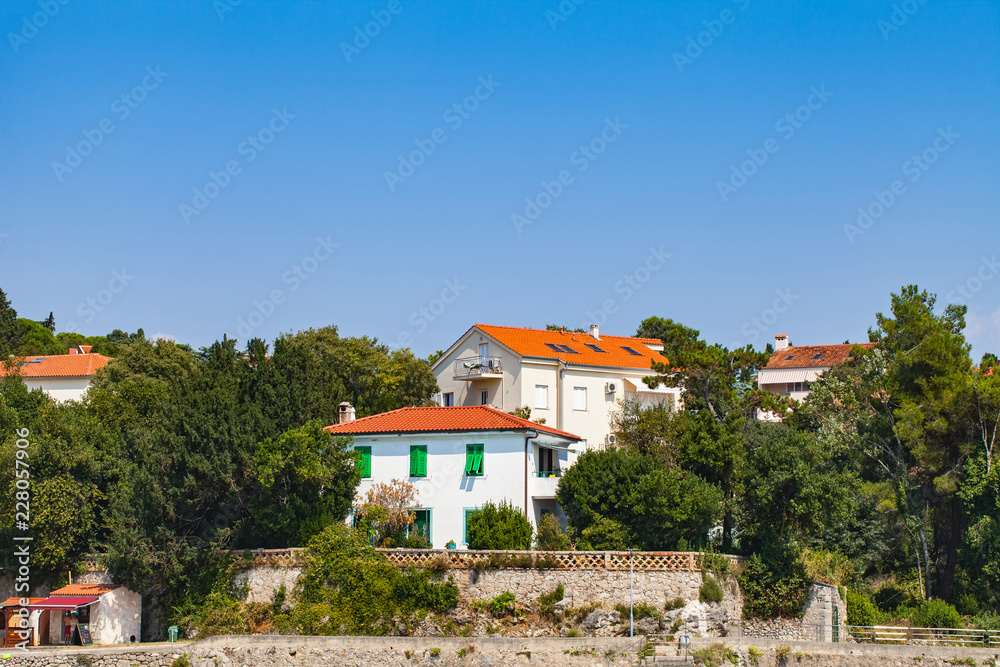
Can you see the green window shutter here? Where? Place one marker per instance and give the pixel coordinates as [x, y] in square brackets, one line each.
[418, 460]
[365, 464]
[473, 459]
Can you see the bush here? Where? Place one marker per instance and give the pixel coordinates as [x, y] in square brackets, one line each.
[676, 603]
[640, 610]
[861, 611]
[500, 606]
[605, 535]
[550, 535]
[499, 527]
[715, 655]
[772, 588]
[828, 567]
[710, 590]
[547, 602]
[713, 562]
[936, 614]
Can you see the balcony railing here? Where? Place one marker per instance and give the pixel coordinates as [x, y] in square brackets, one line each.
[478, 367]
[549, 473]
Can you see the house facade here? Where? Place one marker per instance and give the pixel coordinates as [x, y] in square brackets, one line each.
[64, 377]
[792, 367]
[459, 458]
[98, 613]
[571, 380]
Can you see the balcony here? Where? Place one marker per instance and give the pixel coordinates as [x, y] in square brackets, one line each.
[478, 368]
[544, 483]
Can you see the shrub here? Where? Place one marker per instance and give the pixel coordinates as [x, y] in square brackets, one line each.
[710, 590]
[640, 610]
[754, 655]
[547, 602]
[861, 611]
[606, 535]
[181, 661]
[499, 527]
[550, 535]
[936, 614]
[714, 656]
[828, 567]
[500, 606]
[713, 562]
[782, 652]
[676, 603]
[775, 587]
[573, 633]
[435, 652]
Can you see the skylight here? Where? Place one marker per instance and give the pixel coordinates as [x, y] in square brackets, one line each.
[554, 347]
[594, 347]
[817, 356]
[567, 348]
[789, 357]
[631, 351]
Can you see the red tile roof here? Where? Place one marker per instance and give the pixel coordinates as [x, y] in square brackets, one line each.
[16, 602]
[533, 343]
[85, 589]
[803, 356]
[448, 419]
[59, 366]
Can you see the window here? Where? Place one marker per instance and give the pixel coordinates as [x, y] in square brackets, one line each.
[465, 523]
[817, 356]
[579, 398]
[631, 351]
[542, 396]
[364, 464]
[418, 460]
[484, 397]
[421, 524]
[594, 348]
[448, 399]
[548, 462]
[567, 348]
[554, 347]
[474, 460]
[484, 353]
[789, 357]
[796, 386]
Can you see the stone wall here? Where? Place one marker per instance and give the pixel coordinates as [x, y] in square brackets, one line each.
[263, 582]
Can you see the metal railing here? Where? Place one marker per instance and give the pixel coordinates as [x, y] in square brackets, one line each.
[549, 473]
[478, 367]
[859, 634]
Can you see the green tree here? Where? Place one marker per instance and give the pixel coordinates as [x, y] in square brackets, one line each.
[35, 339]
[308, 479]
[8, 327]
[499, 526]
[550, 535]
[49, 322]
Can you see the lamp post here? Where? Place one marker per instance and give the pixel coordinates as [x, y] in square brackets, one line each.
[631, 594]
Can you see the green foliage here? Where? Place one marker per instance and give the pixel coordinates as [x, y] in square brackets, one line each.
[639, 610]
[861, 611]
[712, 562]
[715, 655]
[435, 652]
[675, 603]
[647, 506]
[8, 327]
[710, 590]
[783, 652]
[550, 535]
[773, 586]
[35, 339]
[828, 567]
[936, 614]
[181, 661]
[501, 605]
[499, 527]
[307, 478]
[547, 602]
[754, 655]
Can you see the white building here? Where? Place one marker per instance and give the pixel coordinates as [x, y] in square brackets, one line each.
[459, 458]
[572, 380]
[64, 377]
[792, 367]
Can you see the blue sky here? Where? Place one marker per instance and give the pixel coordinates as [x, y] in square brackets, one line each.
[253, 168]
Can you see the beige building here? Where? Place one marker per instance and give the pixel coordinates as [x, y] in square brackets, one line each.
[792, 367]
[572, 380]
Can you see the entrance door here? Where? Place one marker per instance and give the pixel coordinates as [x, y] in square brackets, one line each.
[484, 354]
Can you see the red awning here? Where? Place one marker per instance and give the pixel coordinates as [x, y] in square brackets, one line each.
[63, 602]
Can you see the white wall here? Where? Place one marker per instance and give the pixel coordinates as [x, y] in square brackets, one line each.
[60, 389]
[116, 617]
[447, 491]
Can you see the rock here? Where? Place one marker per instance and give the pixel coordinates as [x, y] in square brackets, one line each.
[647, 626]
[601, 622]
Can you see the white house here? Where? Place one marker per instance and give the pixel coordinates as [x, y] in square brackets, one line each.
[107, 613]
[459, 458]
[572, 380]
[64, 377]
[792, 367]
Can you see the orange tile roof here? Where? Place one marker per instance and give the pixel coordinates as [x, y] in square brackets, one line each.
[85, 589]
[16, 602]
[801, 356]
[59, 366]
[533, 343]
[448, 419]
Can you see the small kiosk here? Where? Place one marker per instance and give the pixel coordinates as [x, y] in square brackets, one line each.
[82, 614]
[23, 626]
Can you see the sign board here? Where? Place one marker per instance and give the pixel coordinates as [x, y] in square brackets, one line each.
[685, 639]
[84, 630]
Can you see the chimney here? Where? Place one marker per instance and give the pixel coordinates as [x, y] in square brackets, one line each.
[73, 350]
[345, 413]
[595, 332]
[85, 349]
[781, 342]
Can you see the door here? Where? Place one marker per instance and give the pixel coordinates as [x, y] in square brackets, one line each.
[484, 354]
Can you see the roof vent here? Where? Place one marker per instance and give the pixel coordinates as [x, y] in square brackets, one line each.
[595, 332]
[781, 342]
[345, 413]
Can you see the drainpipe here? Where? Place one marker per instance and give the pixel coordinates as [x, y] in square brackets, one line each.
[559, 394]
[528, 436]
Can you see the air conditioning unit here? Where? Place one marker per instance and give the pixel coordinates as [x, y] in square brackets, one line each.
[610, 387]
[611, 439]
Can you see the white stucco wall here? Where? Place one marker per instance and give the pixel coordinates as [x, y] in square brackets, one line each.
[60, 389]
[447, 491]
[116, 617]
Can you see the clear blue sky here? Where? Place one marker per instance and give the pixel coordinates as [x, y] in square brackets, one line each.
[331, 113]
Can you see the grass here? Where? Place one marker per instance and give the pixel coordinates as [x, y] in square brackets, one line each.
[641, 610]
